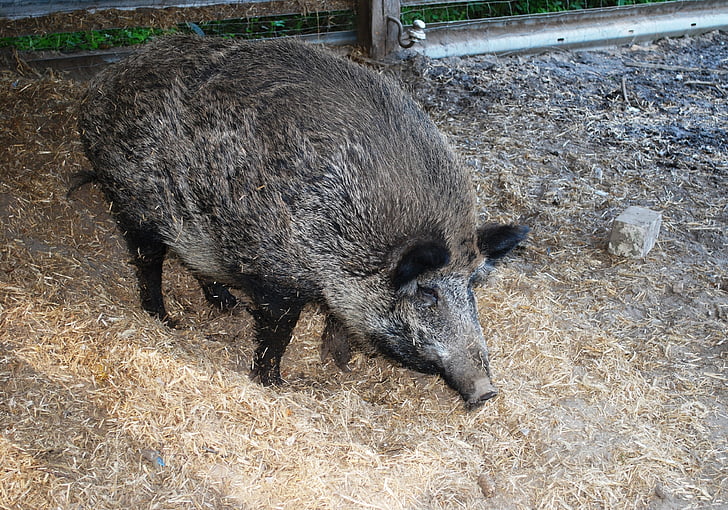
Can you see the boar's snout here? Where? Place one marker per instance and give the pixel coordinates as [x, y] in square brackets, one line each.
[483, 390]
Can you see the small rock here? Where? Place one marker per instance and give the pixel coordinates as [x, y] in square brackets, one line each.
[723, 284]
[634, 232]
[153, 456]
[487, 485]
[678, 288]
[663, 498]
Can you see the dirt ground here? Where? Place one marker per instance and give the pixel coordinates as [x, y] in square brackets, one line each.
[612, 371]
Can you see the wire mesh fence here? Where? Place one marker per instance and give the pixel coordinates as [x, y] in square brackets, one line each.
[257, 27]
[278, 26]
[438, 11]
[255, 23]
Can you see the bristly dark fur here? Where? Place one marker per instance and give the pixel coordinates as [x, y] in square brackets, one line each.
[295, 176]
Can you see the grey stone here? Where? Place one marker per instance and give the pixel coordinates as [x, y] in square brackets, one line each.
[634, 232]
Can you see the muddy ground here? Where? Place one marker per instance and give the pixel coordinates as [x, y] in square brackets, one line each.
[612, 371]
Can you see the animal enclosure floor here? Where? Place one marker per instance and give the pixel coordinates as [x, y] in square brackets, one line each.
[612, 372]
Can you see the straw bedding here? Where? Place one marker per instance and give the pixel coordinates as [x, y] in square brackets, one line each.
[612, 371]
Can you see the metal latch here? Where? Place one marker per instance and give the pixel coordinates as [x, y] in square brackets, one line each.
[414, 33]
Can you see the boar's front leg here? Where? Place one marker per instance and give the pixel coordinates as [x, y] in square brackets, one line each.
[275, 323]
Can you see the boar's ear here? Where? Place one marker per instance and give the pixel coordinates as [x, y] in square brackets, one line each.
[495, 241]
[418, 259]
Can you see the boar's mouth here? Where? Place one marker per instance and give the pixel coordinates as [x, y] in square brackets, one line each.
[478, 392]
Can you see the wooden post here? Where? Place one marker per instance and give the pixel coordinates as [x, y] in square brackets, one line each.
[375, 32]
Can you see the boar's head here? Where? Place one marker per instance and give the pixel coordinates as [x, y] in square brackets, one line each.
[433, 325]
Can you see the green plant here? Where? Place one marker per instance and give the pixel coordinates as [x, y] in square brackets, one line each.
[80, 41]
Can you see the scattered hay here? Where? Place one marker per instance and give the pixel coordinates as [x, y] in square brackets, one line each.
[612, 372]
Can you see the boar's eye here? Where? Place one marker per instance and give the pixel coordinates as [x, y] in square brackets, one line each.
[428, 295]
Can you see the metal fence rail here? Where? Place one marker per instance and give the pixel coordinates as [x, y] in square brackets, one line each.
[575, 29]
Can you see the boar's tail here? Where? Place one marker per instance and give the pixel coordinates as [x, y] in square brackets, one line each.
[79, 180]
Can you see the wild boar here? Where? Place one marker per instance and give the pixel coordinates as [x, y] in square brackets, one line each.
[296, 176]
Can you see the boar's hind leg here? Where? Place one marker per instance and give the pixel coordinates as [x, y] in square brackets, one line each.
[274, 326]
[148, 256]
[217, 294]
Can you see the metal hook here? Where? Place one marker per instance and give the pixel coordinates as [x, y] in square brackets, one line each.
[416, 33]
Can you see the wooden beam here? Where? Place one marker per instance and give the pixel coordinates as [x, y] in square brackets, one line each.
[383, 38]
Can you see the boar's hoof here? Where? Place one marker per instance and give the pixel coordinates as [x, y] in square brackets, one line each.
[484, 390]
[266, 375]
[334, 342]
[169, 321]
[218, 295]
